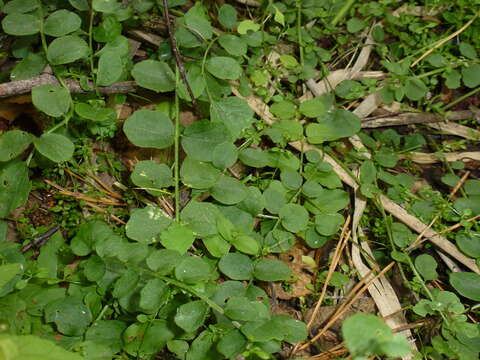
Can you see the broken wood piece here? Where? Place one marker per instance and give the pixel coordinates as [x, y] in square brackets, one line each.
[20, 87]
[148, 37]
[456, 129]
[419, 118]
[426, 158]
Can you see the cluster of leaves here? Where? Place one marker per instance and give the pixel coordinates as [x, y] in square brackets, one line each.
[143, 289]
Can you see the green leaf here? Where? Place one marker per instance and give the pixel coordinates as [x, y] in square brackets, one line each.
[415, 89]
[152, 176]
[254, 157]
[61, 22]
[53, 100]
[177, 237]
[316, 107]
[224, 155]
[426, 266]
[193, 270]
[293, 331]
[81, 5]
[95, 113]
[153, 295]
[198, 175]
[110, 68]
[107, 332]
[471, 75]
[233, 112]
[283, 110]
[21, 24]
[106, 6]
[108, 30]
[333, 125]
[467, 284]
[228, 190]
[314, 239]
[94, 268]
[236, 266]
[125, 284]
[469, 243]
[452, 79]
[467, 50]
[13, 143]
[472, 187]
[70, 314]
[118, 46]
[149, 128]
[402, 236]
[201, 217]
[231, 344]
[291, 179]
[145, 224]
[201, 137]
[154, 75]
[89, 235]
[246, 244]
[33, 347]
[191, 316]
[294, 217]
[216, 245]
[163, 261]
[247, 25]
[227, 16]
[196, 20]
[328, 223]
[67, 49]
[271, 270]
[354, 25]
[32, 65]
[242, 309]
[363, 333]
[8, 272]
[234, 45]
[20, 6]
[56, 147]
[329, 201]
[196, 81]
[224, 67]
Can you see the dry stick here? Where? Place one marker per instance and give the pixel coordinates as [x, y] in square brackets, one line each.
[20, 87]
[434, 220]
[78, 196]
[342, 309]
[178, 58]
[40, 240]
[336, 257]
[443, 41]
[428, 158]
[417, 118]
[103, 211]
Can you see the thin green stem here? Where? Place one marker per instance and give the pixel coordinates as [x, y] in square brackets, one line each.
[299, 31]
[461, 98]
[177, 147]
[90, 44]
[178, 284]
[343, 11]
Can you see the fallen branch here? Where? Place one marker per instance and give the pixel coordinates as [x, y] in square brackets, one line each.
[419, 118]
[20, 87]
[424, 158]
[457, 130]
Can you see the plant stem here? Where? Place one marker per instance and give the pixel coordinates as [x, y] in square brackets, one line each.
[177, 147]
[299, 31]
[343, 11]
[90, 44]
[461, 98]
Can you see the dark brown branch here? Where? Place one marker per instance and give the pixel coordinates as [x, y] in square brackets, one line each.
[41, 240]
[20, 87]
[178, 58]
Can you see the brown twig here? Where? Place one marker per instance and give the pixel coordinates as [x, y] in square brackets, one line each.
[40, 240]
[178, 58]
[103, 211]
[20, 87]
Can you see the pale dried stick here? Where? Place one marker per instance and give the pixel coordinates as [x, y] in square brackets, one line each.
[444, 40]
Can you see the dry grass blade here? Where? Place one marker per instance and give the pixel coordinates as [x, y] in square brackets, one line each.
[457, 130]
[103, 211]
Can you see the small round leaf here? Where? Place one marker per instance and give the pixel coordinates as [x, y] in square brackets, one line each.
[56, 147]
[62, 22]
[149, 128]
[67, 49]
[53, 100]
[154, 75]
